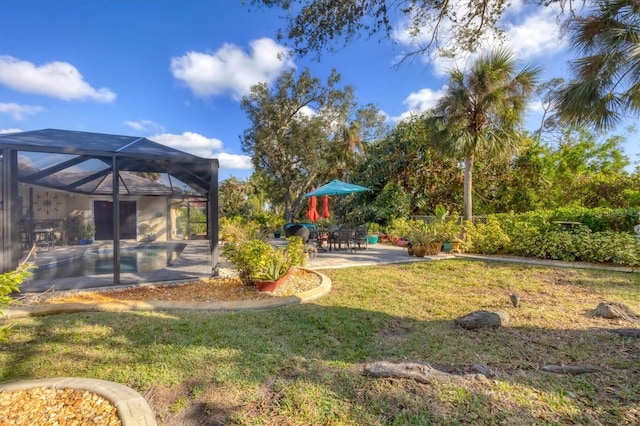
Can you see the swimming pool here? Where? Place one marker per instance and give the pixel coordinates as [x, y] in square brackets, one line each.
[132, 259]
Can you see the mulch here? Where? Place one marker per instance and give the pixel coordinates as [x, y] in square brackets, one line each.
[63, 407]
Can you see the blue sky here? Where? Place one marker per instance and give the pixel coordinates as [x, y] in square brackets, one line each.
[175, 70]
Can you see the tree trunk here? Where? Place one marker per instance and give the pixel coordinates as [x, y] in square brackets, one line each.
[468, 185]
[288, 214]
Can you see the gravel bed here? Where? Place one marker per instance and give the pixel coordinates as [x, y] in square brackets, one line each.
[63, 407]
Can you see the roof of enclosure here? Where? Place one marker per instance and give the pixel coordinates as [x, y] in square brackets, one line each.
[83, 161]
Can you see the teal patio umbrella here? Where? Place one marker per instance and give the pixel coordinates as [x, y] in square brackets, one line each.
[336, 187]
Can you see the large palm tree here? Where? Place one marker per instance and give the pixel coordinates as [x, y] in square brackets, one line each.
[481, 112]
[606, 81]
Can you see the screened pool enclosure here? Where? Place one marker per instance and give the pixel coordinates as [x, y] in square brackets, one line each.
[58, 187]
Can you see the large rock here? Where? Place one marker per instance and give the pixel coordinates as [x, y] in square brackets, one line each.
[483, 319]
[615, 310]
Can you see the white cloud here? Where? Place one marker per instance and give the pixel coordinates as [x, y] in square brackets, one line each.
[56, 79]
[230, 69]
[18, 112]
[145, 126]
[420, 101]
[529, 32]
[5, 131]
[234, 161]
[205, 147]
[539, 34]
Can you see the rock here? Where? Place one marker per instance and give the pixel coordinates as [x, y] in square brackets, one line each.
[615, 310]
[484, 370]
[515, 300]
[483, 319]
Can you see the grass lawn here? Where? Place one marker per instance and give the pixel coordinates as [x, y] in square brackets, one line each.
[304, 364]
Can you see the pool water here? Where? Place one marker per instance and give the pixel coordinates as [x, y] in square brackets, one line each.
[135, 259]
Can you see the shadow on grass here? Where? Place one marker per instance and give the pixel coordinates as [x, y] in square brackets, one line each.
[304, 364]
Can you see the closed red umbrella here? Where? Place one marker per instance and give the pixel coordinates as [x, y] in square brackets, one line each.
[312, 213]
[325, 206]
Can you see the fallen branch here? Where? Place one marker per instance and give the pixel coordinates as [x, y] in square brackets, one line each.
[423, 372]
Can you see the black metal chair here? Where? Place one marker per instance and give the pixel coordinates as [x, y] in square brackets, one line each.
[342, 237]
[359, 238]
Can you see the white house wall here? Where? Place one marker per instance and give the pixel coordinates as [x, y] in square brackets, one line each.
[54, 206]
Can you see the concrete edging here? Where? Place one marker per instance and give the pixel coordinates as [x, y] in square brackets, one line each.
[549, 262]
[131, 305]
[132, 408]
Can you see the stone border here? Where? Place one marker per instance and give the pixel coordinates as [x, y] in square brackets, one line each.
[132, 408]
[123, 306]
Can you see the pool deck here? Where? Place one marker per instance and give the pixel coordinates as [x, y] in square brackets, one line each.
[195, 263]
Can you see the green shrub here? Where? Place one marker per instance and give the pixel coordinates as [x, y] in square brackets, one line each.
[604, 236]
[10, 282]
[256, 259]
[486, 238]
[616, 247]
[295, 251]
[238, 228]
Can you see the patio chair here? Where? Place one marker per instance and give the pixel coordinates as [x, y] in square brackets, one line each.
[342, 237]
[359, 238]
[316, 237]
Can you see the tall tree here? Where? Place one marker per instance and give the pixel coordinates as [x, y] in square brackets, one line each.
[606, 84]
[481, 112]
[234, 197]
[351, 142]
[404, 164]
[292, 125]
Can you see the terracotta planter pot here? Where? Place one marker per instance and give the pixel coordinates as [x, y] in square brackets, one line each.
[434, 248]
[272, 285]
[420, 251]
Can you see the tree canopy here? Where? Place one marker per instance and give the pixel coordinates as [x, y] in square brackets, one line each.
[316, 25]
[606, 83]
[295, 128]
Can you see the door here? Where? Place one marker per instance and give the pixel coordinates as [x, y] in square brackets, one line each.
[103, 214]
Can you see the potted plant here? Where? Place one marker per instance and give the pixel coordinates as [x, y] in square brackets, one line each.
[276, 222]
[148, 231]
[435, 240]
[420, 239]
[397, 230]
[86, 234]
[275, 271]
[372, 233]
[450, 231]
[261, 264]
[437, 228]
[73, 228]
